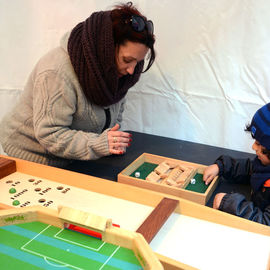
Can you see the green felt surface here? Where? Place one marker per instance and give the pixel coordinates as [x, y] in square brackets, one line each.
[147, 168]
[199, 186]
[144, 170]
[37, 245]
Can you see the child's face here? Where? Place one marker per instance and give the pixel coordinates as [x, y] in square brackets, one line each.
[258, 148]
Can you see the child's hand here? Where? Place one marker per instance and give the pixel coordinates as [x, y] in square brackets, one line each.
[210, 173]
[217, 200]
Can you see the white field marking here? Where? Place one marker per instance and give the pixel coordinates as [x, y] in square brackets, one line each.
[35, 236]
[109, 258]
[96, 249]
[76, 243]
[52, 259]
[55, 265]
[63, 264]
[45, 257]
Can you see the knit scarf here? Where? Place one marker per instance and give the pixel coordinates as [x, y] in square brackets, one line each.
[92, 53]
[260, 174]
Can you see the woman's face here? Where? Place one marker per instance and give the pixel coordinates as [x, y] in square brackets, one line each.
[128, 55]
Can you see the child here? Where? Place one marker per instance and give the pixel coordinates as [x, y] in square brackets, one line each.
[254, 172]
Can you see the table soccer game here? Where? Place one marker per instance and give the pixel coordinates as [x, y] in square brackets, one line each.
[36, 245]
[52, 219]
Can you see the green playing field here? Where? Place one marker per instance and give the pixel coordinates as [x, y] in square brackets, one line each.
[37, 245]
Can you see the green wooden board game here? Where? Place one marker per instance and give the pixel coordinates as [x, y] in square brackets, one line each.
[147, 168]
[37, 245]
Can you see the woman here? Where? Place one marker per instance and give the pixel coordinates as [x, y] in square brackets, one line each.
[71, 107]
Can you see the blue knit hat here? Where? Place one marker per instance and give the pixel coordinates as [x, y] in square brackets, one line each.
[260, 126]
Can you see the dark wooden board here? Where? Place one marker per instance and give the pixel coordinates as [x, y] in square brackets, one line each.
[157, 218]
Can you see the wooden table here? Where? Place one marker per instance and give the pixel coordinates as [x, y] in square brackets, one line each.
[109, 167]
[194, 236]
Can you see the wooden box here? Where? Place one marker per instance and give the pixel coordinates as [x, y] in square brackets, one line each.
[187, 192]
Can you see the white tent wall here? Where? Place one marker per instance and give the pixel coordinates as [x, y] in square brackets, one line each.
[212, 70]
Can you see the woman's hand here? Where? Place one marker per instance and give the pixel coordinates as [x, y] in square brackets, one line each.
[118, 140]
[210, 173]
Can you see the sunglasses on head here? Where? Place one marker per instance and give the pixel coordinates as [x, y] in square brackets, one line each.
[138, 24]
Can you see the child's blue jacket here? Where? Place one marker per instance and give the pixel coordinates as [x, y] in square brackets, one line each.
[250, 172]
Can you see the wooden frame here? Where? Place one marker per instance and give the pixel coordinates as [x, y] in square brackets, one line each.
[201, 198]
[138, 195]
[110, 234]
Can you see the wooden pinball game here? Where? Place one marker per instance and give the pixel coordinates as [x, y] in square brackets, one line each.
[179, 232]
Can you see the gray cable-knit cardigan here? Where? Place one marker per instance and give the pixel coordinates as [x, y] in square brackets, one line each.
[53, 123]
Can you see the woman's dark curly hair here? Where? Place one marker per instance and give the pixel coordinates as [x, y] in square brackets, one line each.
[264, 151]
[122, 31]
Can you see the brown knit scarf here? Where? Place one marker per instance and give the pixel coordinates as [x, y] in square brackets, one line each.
[92, 52]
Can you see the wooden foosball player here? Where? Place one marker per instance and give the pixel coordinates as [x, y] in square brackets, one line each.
[89, 224]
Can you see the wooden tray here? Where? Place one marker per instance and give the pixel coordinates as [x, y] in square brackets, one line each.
[201, 198]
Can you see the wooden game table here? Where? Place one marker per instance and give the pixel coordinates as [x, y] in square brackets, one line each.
[109, 167]
[193, 237]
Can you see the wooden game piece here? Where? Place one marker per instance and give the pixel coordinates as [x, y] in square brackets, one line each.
[163, 176]
[169, 182]
[183, 168]
[84, 219]
[7, 166]
[153, 177]
[174, 175]
[178, 177]
[157, 218]
[171, 164]
[162, 168]
[184, 176]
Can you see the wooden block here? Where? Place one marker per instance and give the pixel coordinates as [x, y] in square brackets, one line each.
[7, 166]
[171, 164]
[179, 177]
[157, 218]
[170, 182]
[183, 168]
[185, 176]
[153, 177]
[174, 174]
[162, 168]
[84, 219]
